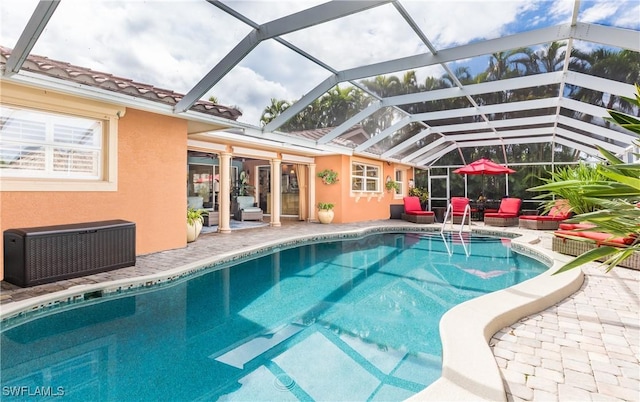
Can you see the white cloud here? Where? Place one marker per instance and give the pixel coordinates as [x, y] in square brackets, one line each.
[561, 8]
[598, 12]
[458, 22]
[250, 91]
[628, 18]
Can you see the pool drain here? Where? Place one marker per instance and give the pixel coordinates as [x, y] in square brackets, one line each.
[283, 382]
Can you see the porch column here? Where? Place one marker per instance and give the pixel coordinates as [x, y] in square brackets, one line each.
[312, 192]
[225, 193]
[276, 190]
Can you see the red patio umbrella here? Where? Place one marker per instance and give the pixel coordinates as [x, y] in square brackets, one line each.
[483, 166]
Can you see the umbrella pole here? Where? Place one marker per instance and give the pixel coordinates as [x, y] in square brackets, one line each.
[465, 186]
[506, 176]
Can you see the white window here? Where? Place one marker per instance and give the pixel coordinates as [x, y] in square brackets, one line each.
[400, 181]
[36, 144]
[365, 178]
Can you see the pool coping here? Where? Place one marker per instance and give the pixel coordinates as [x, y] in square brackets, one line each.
[465, 330]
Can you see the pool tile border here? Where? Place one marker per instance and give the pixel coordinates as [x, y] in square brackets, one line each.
[18, 312]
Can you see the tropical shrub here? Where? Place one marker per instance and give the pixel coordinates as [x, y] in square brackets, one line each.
[421, 193]
[570, 183]
[617, 199]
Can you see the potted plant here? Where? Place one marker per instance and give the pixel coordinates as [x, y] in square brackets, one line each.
[195, 218]
[325, 212]
[328, 176]
[421, 193]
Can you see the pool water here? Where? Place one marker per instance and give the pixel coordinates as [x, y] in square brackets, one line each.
[349, 320]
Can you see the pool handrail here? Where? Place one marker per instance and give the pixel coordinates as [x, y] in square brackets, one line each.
[467, 210]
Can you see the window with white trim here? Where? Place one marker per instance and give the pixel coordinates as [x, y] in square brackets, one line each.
[35, 144]
[400, 181]
[365, 178]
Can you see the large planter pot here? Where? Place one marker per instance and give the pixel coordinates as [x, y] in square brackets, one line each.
[325, 215]
[193, 231]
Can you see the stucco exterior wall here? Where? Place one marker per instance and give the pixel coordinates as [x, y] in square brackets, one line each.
[152, 160]
[348, 206]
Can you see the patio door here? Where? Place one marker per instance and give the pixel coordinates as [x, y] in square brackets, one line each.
[289, 191]
[290, 194]
[202, 186]
[438, 188]
[264, 188]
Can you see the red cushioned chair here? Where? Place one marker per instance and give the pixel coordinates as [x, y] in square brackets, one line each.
[560, 211]
[507, 214]
[413, 211]
[572, 226]
[458, 205]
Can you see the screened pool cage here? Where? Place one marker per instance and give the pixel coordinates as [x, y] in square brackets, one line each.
[442, 184]
[429, 84]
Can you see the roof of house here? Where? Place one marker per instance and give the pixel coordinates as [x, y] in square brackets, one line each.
[351, 138]
[109, 82]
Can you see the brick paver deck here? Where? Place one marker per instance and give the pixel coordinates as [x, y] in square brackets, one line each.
[585, 348]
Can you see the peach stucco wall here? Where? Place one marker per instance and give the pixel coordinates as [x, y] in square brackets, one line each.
[347, 207]
[152, 159]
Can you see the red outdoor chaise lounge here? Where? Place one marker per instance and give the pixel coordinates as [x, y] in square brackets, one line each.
[458, 205]
[413, 211]
[559, 212]
[564, 241]
[507, 214]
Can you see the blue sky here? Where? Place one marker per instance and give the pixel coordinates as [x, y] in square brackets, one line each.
[173, 44]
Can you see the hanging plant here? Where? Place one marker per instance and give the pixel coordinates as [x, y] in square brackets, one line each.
[328, 176]
[392, 185]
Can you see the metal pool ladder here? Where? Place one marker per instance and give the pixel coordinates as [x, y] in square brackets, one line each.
[467, 248]
[466, 214]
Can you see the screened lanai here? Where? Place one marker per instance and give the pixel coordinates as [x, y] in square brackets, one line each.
[431, 84]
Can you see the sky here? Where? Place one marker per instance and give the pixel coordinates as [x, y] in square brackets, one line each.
[173, 44]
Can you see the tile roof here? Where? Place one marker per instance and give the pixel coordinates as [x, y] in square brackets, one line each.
[351, 138]
[109, 82]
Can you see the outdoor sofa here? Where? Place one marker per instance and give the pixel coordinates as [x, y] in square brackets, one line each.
[575, 239]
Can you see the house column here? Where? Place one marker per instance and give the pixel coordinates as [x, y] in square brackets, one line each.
[276, 190]
[312, 192]
[225, 193]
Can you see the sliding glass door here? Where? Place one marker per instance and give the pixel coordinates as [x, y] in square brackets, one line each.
[289, 190]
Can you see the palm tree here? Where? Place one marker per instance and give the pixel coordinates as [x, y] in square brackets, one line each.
[462, 74]
[623, 66]
[505, 64]
[273, 110]
[552, 57]
[338, 105]
[384, 86]
[409, 83]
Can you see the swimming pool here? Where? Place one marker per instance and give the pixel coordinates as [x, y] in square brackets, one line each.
[348, 320]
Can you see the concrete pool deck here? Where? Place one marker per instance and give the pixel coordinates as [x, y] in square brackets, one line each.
[581, 347]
